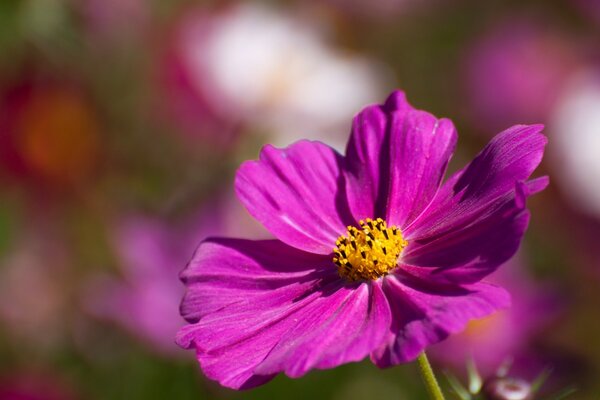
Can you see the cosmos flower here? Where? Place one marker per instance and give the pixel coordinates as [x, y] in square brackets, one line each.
[258, 67]
[373, 256]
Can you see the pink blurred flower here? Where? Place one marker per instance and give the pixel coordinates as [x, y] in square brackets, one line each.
[151, 253]
[507, 334]
[515, 73]
[256, 66]
[144, 301]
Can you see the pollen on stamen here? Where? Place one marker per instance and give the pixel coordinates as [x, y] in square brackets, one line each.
[368, 253]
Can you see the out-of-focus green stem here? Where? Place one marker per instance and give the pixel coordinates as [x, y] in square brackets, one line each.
[435, 392]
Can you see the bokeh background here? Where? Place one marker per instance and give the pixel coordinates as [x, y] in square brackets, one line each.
[122, 123]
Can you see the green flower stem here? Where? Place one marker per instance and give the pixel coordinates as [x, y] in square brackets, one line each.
[435, 392]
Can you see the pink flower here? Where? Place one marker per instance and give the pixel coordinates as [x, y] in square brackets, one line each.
[151, 252]
[374, 256]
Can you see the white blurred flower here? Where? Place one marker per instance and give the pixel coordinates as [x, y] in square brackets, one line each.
[576, 141]
[275, 72]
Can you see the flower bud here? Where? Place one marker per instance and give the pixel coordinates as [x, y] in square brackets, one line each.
[507, 389]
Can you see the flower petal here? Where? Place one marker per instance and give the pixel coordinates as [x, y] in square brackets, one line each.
[368, 158]
[262, 307]
[396, 158]
[478, 218]
[239, 293]
[333, 332]
[225, 272]
[510, 157]
[231, 342]
[424, 314]
[297, 193]
[421, 147]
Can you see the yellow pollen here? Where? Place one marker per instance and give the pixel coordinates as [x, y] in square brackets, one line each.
[370, 252]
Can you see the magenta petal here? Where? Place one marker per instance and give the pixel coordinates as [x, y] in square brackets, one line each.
[342, 328]
[421, 147]
[510, 157]
[242, 296]
[363, 152]
[476, 250]
[262, 307]
[424, 314]
[297, 193]
[226, 272]
[368, 157]
[478, 218]
[396, 158]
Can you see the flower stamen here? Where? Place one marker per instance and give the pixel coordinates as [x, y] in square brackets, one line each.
[370, 252]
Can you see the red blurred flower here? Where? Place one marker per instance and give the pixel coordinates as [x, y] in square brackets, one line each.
[49, 134]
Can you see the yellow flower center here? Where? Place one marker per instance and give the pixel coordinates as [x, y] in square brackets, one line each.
[369, 252]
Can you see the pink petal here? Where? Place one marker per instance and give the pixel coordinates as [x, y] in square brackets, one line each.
[424, 314]
[271, 308]
[478, 218]
[421, 147]
[396, 158]
[297, 193]
[226, 272]
[332, 333]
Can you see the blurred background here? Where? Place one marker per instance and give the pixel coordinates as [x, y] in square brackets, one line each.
[122, 123]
